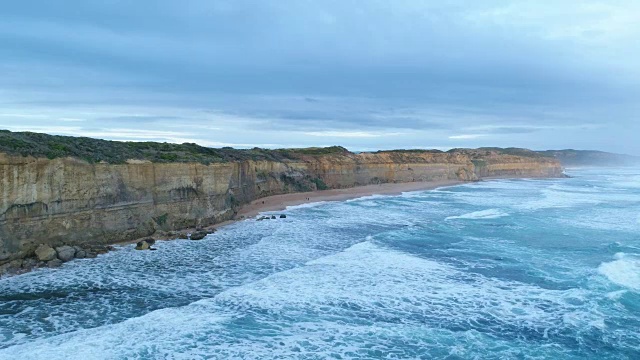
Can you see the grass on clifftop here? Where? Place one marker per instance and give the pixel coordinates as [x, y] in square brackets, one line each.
[485, 151]
[118, 152]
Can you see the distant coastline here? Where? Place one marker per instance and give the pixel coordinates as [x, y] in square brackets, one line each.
[67, 197]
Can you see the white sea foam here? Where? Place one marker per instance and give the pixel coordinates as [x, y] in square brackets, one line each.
[336, 314]
[306, 205]
[386, 283]
[616, 295]
[618, 218]
[502, 184]
[557, 199]
[415, 194]
[134, 338]
[297, 289]
[369, 197]
[480, 215]
[624, 271]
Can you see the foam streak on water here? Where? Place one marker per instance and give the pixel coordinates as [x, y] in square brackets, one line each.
[501, 269]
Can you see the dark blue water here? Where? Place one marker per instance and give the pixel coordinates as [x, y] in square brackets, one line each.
[513, 269]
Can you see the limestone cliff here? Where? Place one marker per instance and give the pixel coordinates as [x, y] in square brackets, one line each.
[71, 201]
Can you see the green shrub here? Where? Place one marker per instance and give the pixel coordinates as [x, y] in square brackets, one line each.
[161, 220]
[117, 152]
[169, 157]
[320, 184]
[262, 175]
[479, 163]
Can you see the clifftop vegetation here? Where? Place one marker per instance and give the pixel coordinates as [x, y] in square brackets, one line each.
[118, 152]
[485, 151]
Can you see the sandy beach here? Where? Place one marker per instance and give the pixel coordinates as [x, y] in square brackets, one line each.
[280, 202]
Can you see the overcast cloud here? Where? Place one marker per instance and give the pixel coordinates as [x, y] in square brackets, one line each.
[363, 74]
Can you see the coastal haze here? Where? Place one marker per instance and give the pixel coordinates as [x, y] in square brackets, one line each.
[319, 180]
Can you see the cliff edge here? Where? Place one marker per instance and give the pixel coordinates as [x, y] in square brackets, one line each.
[79, 194]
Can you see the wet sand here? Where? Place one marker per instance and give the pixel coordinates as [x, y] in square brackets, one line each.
[280, 202]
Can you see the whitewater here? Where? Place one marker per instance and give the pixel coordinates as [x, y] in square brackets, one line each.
[503, 269]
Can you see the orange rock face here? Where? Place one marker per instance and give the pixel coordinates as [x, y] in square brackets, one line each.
[68, 201]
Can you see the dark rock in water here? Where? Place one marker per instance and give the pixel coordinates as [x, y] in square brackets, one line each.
[100, 249]
[273, 216]
[11, 268]
[66, 253]
[54, 263]
[198, 235]
[80, 252]
[142, 245]
[211, 230]
[45, 253]
[145, 244]
[283, 216]
[91, 255]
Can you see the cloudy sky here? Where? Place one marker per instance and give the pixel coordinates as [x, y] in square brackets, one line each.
[363, 74]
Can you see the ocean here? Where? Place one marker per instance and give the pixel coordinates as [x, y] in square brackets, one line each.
[503, 269]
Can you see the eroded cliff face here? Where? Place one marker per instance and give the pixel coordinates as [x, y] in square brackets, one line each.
[68, 201]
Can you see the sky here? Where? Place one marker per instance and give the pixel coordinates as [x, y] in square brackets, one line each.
[367, 75]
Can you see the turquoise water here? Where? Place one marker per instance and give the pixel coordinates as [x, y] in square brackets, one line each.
[510, 269]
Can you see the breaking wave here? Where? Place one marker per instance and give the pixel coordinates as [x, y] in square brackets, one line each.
[377, 277]
[479, 215]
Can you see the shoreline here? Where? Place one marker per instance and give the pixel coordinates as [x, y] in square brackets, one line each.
[282, 201]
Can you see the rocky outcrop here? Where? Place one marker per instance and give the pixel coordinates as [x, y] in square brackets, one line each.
[145, 244]
[45, 253]
[198, 235]
[68, 201]
[66, 253]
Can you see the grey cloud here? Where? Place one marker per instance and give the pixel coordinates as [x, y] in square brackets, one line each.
[514, 130]
[137, 119]
[433, 69]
